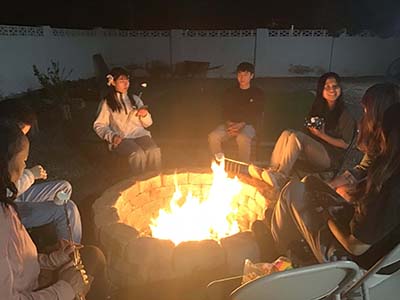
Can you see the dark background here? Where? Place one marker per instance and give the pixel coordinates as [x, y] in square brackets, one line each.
[381, 17]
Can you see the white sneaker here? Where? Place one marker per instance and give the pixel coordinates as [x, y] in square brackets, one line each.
[255, 172]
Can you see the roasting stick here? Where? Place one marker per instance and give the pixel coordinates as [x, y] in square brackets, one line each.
[230, 165]
[62, 198]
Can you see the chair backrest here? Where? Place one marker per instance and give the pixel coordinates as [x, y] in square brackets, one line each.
[307, 283]
[381, 285]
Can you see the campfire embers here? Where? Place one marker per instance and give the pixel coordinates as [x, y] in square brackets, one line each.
[124, 213]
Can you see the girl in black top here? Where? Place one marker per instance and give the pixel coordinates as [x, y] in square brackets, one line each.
[372, 225]
[322, 147]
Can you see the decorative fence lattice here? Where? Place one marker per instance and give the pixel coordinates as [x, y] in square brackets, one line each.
[99, 32]
[297, 33]
[135, 33]
[21, 30]
[219, 33]
[72, 32]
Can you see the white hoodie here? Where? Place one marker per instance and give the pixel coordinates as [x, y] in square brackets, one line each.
[126, 125]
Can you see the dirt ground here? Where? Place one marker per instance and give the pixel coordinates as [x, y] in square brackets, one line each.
[70, 150]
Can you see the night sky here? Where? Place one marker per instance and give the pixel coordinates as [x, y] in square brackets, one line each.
[379, 16]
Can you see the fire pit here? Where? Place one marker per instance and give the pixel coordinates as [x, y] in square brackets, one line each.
[135, 223]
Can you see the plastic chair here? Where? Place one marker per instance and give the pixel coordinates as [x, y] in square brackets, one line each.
[311, 282]
[372, 285]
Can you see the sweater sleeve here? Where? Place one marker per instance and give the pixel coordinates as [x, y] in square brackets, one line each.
[147, 120]
[61, 290]
[102, 123]
[25, 181]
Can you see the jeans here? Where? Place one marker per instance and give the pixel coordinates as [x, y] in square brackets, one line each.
[243, 140]
[36, 208]
[34, 214]
[143, 154]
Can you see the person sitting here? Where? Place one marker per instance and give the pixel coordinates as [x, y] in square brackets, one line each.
[322, 146]
[242, 106]
[369, 226]
[122, 121]
[20, 264]
[35, 201]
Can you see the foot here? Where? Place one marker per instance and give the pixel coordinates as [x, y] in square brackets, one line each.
[255, 172]
[274, 178]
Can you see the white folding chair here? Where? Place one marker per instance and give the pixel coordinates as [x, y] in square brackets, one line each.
[372, 285]
[306, 283]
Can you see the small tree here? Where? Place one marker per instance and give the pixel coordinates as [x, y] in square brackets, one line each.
[54, 83]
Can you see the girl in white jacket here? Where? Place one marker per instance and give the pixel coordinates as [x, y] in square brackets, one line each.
[122, 121]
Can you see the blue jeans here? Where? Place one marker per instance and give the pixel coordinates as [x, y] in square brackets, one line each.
[36, 208]
[143, 154]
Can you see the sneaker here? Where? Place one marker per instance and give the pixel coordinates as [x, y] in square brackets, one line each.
[274, 178]
[255, 172]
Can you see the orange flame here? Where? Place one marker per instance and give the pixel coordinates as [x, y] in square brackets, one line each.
[211, 218]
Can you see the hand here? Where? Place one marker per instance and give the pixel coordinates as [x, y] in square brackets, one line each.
[142, 112]
[78, 279]
[317, 132]
[116, 140]
[39, 172]
[64, 253]
[234, 128]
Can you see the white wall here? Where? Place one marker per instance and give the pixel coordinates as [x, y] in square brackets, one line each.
[368, 56]
[227, 51]
[276, 56]
[274, 52]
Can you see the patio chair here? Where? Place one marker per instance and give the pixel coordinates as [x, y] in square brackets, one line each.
[381, 281]
[305, 283]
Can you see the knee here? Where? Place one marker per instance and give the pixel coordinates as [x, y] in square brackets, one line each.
[286, 133]
[243, 139]
[93, 259]
[296, 138]
[156, 151]
[214, 136]
[66, 187]
[138, 154]
[292, 191]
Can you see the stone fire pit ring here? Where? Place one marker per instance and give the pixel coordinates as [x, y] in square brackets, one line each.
[122, 217]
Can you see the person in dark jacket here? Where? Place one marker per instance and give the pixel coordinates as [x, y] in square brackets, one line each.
[242, 108]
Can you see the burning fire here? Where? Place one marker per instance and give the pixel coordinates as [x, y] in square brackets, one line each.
[200, 219]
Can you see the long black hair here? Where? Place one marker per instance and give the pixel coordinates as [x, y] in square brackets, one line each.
[12, 141]
[111, 96]
[320, 106]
